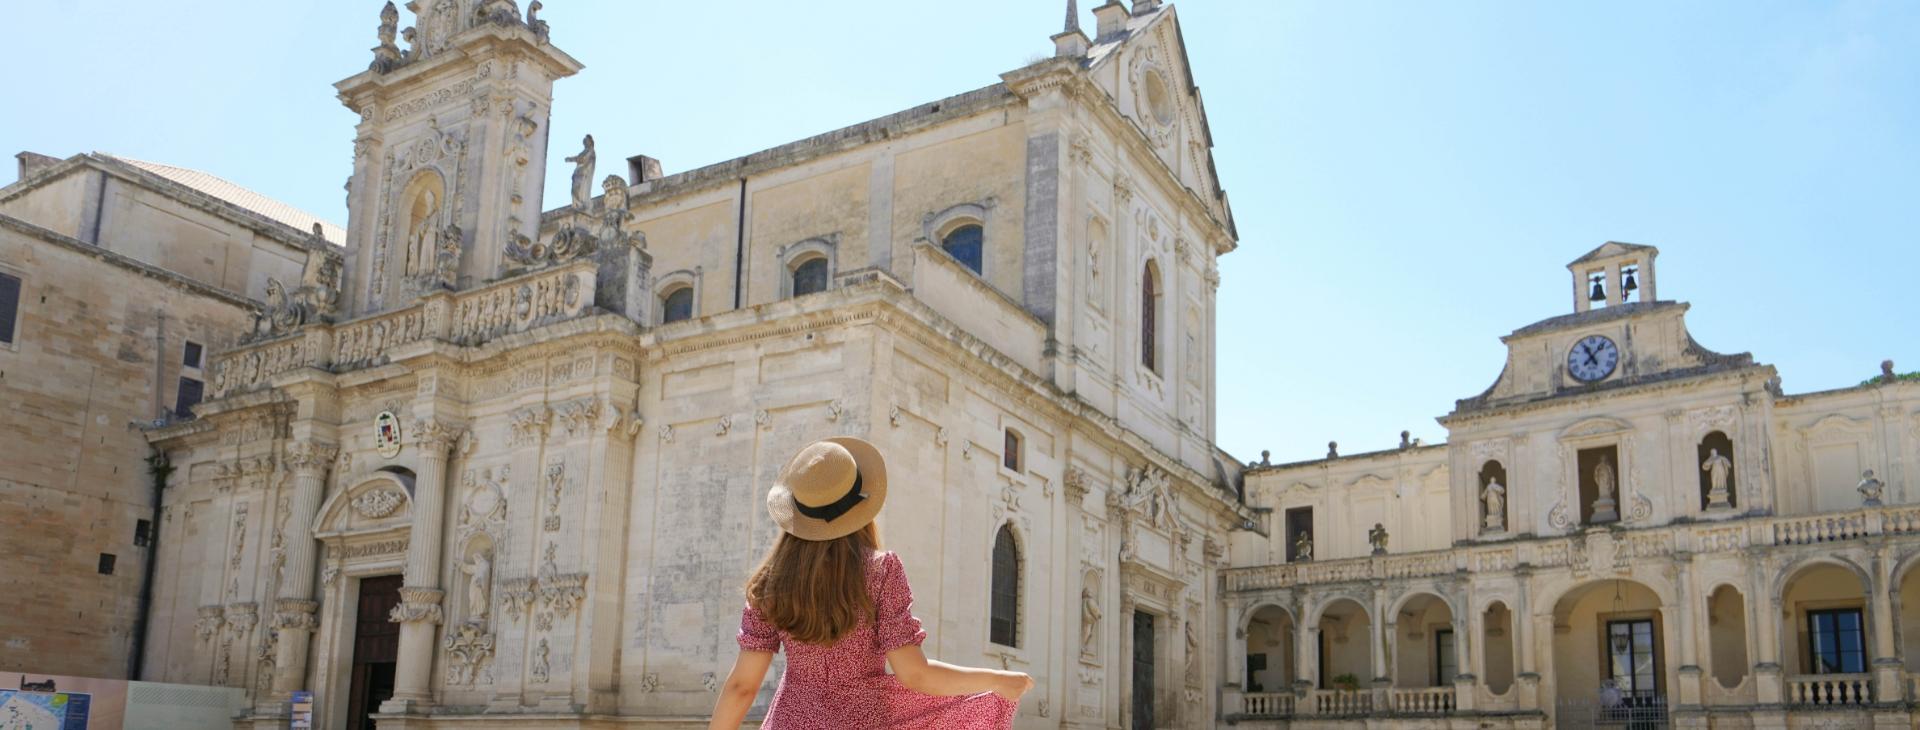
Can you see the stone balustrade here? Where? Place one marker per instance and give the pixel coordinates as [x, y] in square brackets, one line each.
[472, 317]
[1337, 702]
[1830, 690]
[1267, 704]
[1552, 552]
[1421, 700]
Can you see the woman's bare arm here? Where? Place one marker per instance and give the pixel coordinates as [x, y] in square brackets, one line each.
[743, 683]
[940, 679]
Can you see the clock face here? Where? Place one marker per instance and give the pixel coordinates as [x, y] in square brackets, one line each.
[1592, 359]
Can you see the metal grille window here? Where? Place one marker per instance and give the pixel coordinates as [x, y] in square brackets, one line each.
[9, 307]
[810, 277]
[1004, 625]
[1836, 642]
[965, 244]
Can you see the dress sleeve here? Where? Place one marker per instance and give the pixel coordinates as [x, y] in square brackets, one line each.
[896, 626]
[755, 633]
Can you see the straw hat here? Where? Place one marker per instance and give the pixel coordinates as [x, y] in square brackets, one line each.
[829, 490]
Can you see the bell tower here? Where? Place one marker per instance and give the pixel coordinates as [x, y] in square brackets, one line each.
[449, 157]
[1614, 274]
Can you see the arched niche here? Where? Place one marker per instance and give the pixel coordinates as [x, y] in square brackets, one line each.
[381, 501]
[1715, 457]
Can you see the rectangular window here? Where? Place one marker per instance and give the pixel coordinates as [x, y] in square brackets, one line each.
[106, 563]
[1836, 642]
[1444, 663]
[143, 533]
[192, 356]
[1256, 663]
[9, 307]
[1299, 523]
[1630, 657]
[187, 397]
[1012, 458]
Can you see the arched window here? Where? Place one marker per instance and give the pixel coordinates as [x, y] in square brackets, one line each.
[1717, 464]
[965, 244]
[677, 306]
[1150, 317]
[1004, 624]
[810, 276]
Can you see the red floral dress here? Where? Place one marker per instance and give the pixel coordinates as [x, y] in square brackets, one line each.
[846, 685]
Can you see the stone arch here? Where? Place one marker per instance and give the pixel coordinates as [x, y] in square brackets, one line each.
[1905, 587]
[1421, 624]
[1246, 617]
[1600, 617]
[794, 257]
[1337, 622]
[1810, 590]
[1270, 634]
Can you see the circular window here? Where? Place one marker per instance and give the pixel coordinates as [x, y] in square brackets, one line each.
[1159, 99]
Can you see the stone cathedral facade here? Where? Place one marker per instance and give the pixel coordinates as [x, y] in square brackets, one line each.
[510, 471]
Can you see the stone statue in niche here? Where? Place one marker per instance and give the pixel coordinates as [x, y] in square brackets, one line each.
[1870, 489]
[1090, 615]
[1494, 496]
[583, 175]
[1303, 547]
[1718, 468]
[1377, 537]
[423, 235]
[446, 261]
[479, 572]
[1192, 636]
[520, 153]
[1604, 482]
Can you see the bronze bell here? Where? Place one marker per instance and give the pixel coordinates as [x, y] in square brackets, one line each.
[1628, 286]
[1599, 290]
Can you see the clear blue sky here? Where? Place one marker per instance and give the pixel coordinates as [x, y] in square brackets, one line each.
[1410, 178]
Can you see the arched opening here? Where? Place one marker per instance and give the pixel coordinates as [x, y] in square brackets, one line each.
[1727, 636]
[1497, 646]
[1493, 497]
[1825, 622]
[809, 276]
[401, 473]
[967, 245]
[677, 305]
[1906, 602]
[1609, 655]
[1270, 637]
[1718, 482]
[1003, 625]
[1346, 647]
[1150, 316]
[1424, 648]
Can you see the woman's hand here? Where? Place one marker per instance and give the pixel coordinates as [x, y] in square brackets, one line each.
[1012, 685]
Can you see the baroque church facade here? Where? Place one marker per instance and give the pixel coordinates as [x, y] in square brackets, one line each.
[511, 471]
[473, 461]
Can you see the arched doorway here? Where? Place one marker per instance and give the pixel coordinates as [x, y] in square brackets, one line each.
[1825, 642]
[1270, 637]
[1424, 650]
[1344, 658]
[1609, 655]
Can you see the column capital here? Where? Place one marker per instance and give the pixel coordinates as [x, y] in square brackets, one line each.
[435, 436]
[294, 613]
[310, 457]
[418, 605]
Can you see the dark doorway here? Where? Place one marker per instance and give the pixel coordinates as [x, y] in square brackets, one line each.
[1142, 670]
[1299, 522]
[376, 648]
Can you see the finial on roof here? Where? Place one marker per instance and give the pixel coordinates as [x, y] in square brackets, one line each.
[387, 55]
[1073, 17]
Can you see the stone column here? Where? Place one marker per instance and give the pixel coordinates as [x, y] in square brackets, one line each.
[1543, 650]
[1526, 675]
[1465, 681]
[1686, 614]
[1888, 672]
[419, 609]
[1306, 659]
[294, 611]
[1769, 680]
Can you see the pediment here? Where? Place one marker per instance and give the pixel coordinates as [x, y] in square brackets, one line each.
[1596, 426]
[1147, 74]
[381, 501]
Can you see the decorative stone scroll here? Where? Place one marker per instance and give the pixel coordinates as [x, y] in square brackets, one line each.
[469, 652]
[377, 503]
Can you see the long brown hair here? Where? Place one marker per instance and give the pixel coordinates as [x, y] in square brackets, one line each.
[815, 591]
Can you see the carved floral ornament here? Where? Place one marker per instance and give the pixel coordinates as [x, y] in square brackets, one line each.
[378, 503]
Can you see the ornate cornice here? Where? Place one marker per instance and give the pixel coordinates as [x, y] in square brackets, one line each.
[309, 457]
